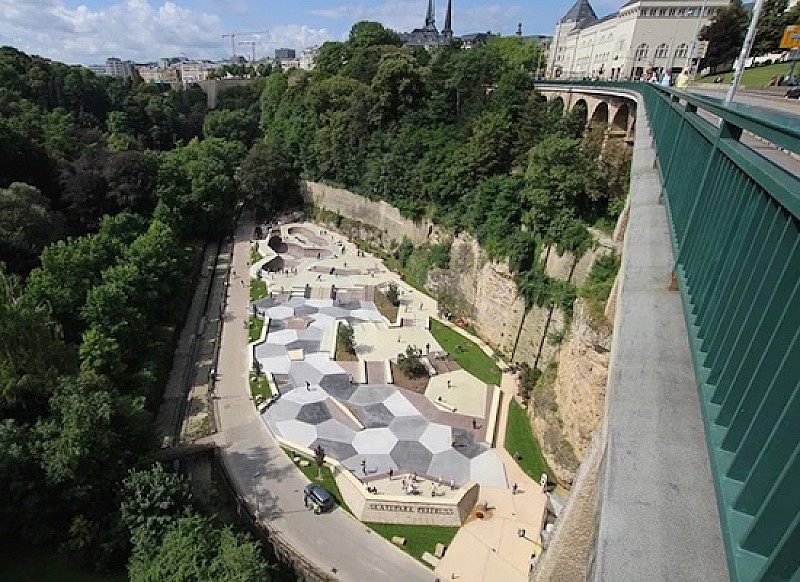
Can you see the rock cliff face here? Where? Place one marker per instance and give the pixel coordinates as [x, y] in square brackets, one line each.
[486, 292]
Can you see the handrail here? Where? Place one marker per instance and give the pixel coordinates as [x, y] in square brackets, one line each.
[734, 220]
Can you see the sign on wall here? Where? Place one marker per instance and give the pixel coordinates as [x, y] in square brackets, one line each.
[791, 37]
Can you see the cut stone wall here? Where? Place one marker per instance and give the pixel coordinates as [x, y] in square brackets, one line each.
[378, 214]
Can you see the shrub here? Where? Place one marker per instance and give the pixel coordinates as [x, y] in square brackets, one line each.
[410, 364]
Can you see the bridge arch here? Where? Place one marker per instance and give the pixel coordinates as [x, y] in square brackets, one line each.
[600, 114]
[621, 117]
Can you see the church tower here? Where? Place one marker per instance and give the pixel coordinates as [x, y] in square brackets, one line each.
[447, 31]
[430, 16]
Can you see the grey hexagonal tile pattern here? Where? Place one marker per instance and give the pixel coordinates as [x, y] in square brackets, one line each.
[320, 404]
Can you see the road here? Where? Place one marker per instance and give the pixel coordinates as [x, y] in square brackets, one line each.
[336, 542]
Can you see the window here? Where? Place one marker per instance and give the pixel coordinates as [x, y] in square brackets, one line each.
[641, 52]
[681, 51]
[661, 51]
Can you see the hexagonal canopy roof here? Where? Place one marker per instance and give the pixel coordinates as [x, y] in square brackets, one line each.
[411, 455]
[437, 438]
[297, 431]
[314, 413]
[408, 427]
[371, 394]
[336, 449]
[375, 416]
[374, 441]
[399, 405]
[450, 464]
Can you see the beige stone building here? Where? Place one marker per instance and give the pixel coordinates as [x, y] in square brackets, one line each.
[644, 35]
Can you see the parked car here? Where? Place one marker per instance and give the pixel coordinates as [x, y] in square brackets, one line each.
[318, 497]
[793, 93]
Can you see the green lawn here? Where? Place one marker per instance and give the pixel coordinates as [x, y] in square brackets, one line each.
[327, 481]
[258, 289]
[255, 256]
[755, 77]
[259, 388]
[419, 538]
[468, 355]
[39, 565]
[520, 442]
[255, 325]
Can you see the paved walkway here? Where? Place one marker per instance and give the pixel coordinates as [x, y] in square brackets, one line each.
[336, 542]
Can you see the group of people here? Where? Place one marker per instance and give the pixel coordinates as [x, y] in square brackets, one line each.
[666, 80]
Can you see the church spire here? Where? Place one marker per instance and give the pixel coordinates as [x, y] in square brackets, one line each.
[448, 29]
[430, 17]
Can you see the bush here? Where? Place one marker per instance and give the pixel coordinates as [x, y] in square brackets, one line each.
[410, 364]
[345, 338]
[393, 294]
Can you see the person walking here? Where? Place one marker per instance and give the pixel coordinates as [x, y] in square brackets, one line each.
[682, 82]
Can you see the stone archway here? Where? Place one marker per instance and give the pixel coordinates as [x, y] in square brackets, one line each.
[600, 114]
[620, 120]
[582, 109]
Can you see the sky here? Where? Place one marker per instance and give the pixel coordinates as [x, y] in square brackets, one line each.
[88, 31]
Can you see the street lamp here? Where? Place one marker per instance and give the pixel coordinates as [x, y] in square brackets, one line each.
[693, 49]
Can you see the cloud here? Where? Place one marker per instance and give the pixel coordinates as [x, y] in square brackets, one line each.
[139, 30]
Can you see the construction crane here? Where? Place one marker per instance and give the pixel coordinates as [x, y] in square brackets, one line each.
[252, 44]
[233, 35]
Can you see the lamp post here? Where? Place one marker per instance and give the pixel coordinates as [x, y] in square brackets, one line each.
[748, 44]
[693, 49]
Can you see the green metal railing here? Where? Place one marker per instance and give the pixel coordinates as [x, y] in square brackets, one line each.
[735, 232]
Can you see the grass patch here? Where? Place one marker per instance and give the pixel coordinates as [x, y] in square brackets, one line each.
[419, 538]
[522, 445]
[327, 481]
[255, 256]
[24, 564]
[468, 355]
[258, 289]
[755, 77]
[259, 388]
[254, 326]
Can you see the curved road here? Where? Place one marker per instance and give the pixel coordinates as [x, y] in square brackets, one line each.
[336, 542]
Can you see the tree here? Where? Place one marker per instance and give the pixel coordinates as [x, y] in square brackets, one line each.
[366, 34]
[410, 364]
[196, 550]
[32, 354]
[268, 176]
[152, 501]
[395, 89]
[231, 125]
[197, 191]
[319, 459]
[555, 181]
[393, 295]
[27, 225]
[771, 23]
[725, 35]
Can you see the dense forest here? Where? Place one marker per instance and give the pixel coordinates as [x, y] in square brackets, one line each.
[109, 189]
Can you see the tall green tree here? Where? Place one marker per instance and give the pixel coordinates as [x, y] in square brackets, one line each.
[195, 550]
[771, 23]
[725, 35]
[27, 225]
[268, 177]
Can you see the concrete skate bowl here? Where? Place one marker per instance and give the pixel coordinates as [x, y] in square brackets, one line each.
[276, 244]
[308, 235]
[298, 251]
